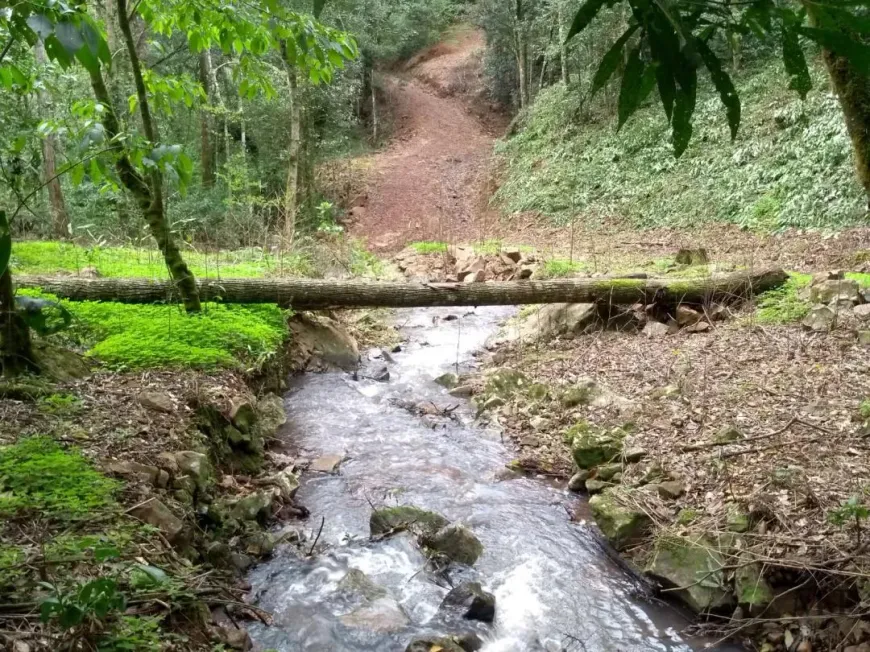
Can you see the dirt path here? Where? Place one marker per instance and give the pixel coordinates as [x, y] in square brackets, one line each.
[428, 184]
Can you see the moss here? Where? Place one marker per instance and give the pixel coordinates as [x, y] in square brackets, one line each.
[389, 519]
[687, 515]
[429, 247]
[559, 268]
[784, 305]
[862, 279]
[36, 474]
[60, 404]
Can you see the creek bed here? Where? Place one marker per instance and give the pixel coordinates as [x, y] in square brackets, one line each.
[555, 587]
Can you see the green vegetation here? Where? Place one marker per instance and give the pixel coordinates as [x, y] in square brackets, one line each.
[559, 268]
[37, 475]
[429, 247]
[784, 304]
[567, 161]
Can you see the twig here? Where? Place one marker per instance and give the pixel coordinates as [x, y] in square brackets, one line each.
[714, 444]
[317, 538]
[758, 449]
[6, 49]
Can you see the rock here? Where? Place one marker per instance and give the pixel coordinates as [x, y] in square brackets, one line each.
[439, 644]
[656, 329]
[463, 391]
[135, 471]
[577, 395]
[358, 583]
[666, 392]
[241, 562]
[235, 638]
[622, 524]
[717, 312]
[326, 464]
[736, 519]
[218, 554]
[692, 257]
[321, 343]
[596, 486]
[59, 364]
[700, 327]
[157, 401]
[286, 481]
[259, 544]
[405, 517]
[256, 506]
[752, 590]
[505, 382]
[513, 254]
[381, 615]
[634, 455]
[478, 276]
[864, 338]
[162, 479]
[671, 489]
[687, 316]
[196, 466]
[271, 415]
[153, 512]
[492, 403]
[727, 434]
[607, 471]
[471, 601]
[167, 462]
[588, 392]
[862, 312]
[694, 563]
[594, 446]
[835, 290]
[456, 542]
[380, 375]
[820, 319]
[243, 415]
[448, 380]
[538, 391]
[578, 480]
[538, 423]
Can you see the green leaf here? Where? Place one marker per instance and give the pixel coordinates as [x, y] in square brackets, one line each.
[37, 312]
[5, 243]
[610, 62]
[795, 63]
[684, 107]
[41, 25]
[723, 84]
[584, 16]
[70, 37]
[77, 174]
[840, 44]
[106, 552]
[630, 91]
[157, 575]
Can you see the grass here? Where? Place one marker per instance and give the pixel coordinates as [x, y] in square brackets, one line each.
[559, 268]
[790, 165]
[784, 305]
[37, 475]
[424, 248]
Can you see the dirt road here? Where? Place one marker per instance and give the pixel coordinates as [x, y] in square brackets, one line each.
[428, 183]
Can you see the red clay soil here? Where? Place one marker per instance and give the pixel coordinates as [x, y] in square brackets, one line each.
[428, 183]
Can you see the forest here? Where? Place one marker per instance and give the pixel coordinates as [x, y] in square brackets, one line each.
[431, 326]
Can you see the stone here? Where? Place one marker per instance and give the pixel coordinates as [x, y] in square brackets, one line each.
[255, 506]
[456, 542]
[195, 465]
[271, 415]
[736, 518]
[692, 257]
[751, 589]
[326, 464]
[463, 391]
[864, 338]
[358, 583]
[538, 391]
[167, 462]
[666, 392]
[154, 512]
[320, 343]
[862, 312]
[59, 364]
[693, 563]
[607, 471]
[513, 254]
[235, 638]
[634, 455]
[442, 644]
[820, 319]
[162, 480]
[492, 403]
[218, 554]
[687, 316]
[835, 290]
[135, 471]
[578, 481]
[596, 486]
[286, 481]
[259, 544]
[505, 382]
[594, 446]
[243, 415]
[157, 401]
[727, 434]
[380, 615]
[241, 562]
[448, 380]
[471, 601]
[656, 329]
[622, 524]
[472, 276]
[538, 422]
[405, 517]
[379, 375]
[551, 320]
[670, 489]
[700, 327]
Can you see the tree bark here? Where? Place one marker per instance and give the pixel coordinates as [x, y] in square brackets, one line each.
[290, 203]
[59, 215]
[311, 294]
[16, 353]
[206, 144]
[149, 196]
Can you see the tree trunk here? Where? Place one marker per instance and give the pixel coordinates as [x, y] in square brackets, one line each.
[290, 204]
[309, 294]
[563, 46]
[16, 354]
[374, 108]
[206, 144]
[149, 196]
[59, 215]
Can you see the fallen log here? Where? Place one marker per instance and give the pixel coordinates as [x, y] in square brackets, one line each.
[312, 294]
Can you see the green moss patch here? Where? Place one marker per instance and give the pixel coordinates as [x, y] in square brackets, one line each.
[36, 474]
[429, 247]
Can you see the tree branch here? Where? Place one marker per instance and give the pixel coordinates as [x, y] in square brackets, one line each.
[6, 48]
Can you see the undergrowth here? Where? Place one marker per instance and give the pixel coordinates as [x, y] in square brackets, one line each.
[784, 305]
[37, 475]
[790, 165]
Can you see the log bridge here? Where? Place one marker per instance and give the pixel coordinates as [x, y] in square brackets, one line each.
[319, 294]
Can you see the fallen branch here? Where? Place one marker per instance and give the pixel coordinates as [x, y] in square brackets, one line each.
[714, 444]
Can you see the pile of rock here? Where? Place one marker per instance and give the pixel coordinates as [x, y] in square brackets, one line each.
[463, 264]
[837, 300]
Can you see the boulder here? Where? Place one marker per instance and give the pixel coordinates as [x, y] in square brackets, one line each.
[380, 375]
[157, 401]
[833, 290]
[58, 363]
[864, 338]
[593, 446]
[256, 506]
[135, 471]
[578, 480]
[862, 312]
[196, 466]
[634, 455]
[448, 380]
[696, 564]
[513, 254]
[656, 329]
[326, 464]
[271, 415]
[154, 512]
[700, 327]
[321, 343]
[670, 489]
[619, 521]
[259, 544]
[405, 517]
[286, 482]
[471, 601]
[687, 316]
[357, 583]
[440, 644]
[751, 589]
[462, 391]
[243, 415]
[505, 382]
[456, 542]
[596, 486]
[234, 638]
[820, 319]
[736, 518]
[167, 462]
[380, 615]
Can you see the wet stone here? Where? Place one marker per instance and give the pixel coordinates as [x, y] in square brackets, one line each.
[471, 601]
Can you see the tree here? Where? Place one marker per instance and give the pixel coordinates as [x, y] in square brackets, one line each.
[667, 41]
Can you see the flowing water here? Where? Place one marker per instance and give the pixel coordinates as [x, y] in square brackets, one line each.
[555, 587]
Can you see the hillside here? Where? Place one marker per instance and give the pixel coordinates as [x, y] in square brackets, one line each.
[790, 165]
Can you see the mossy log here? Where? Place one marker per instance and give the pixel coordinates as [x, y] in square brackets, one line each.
[313, 294]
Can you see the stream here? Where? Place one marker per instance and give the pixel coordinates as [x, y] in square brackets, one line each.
[555, 587]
